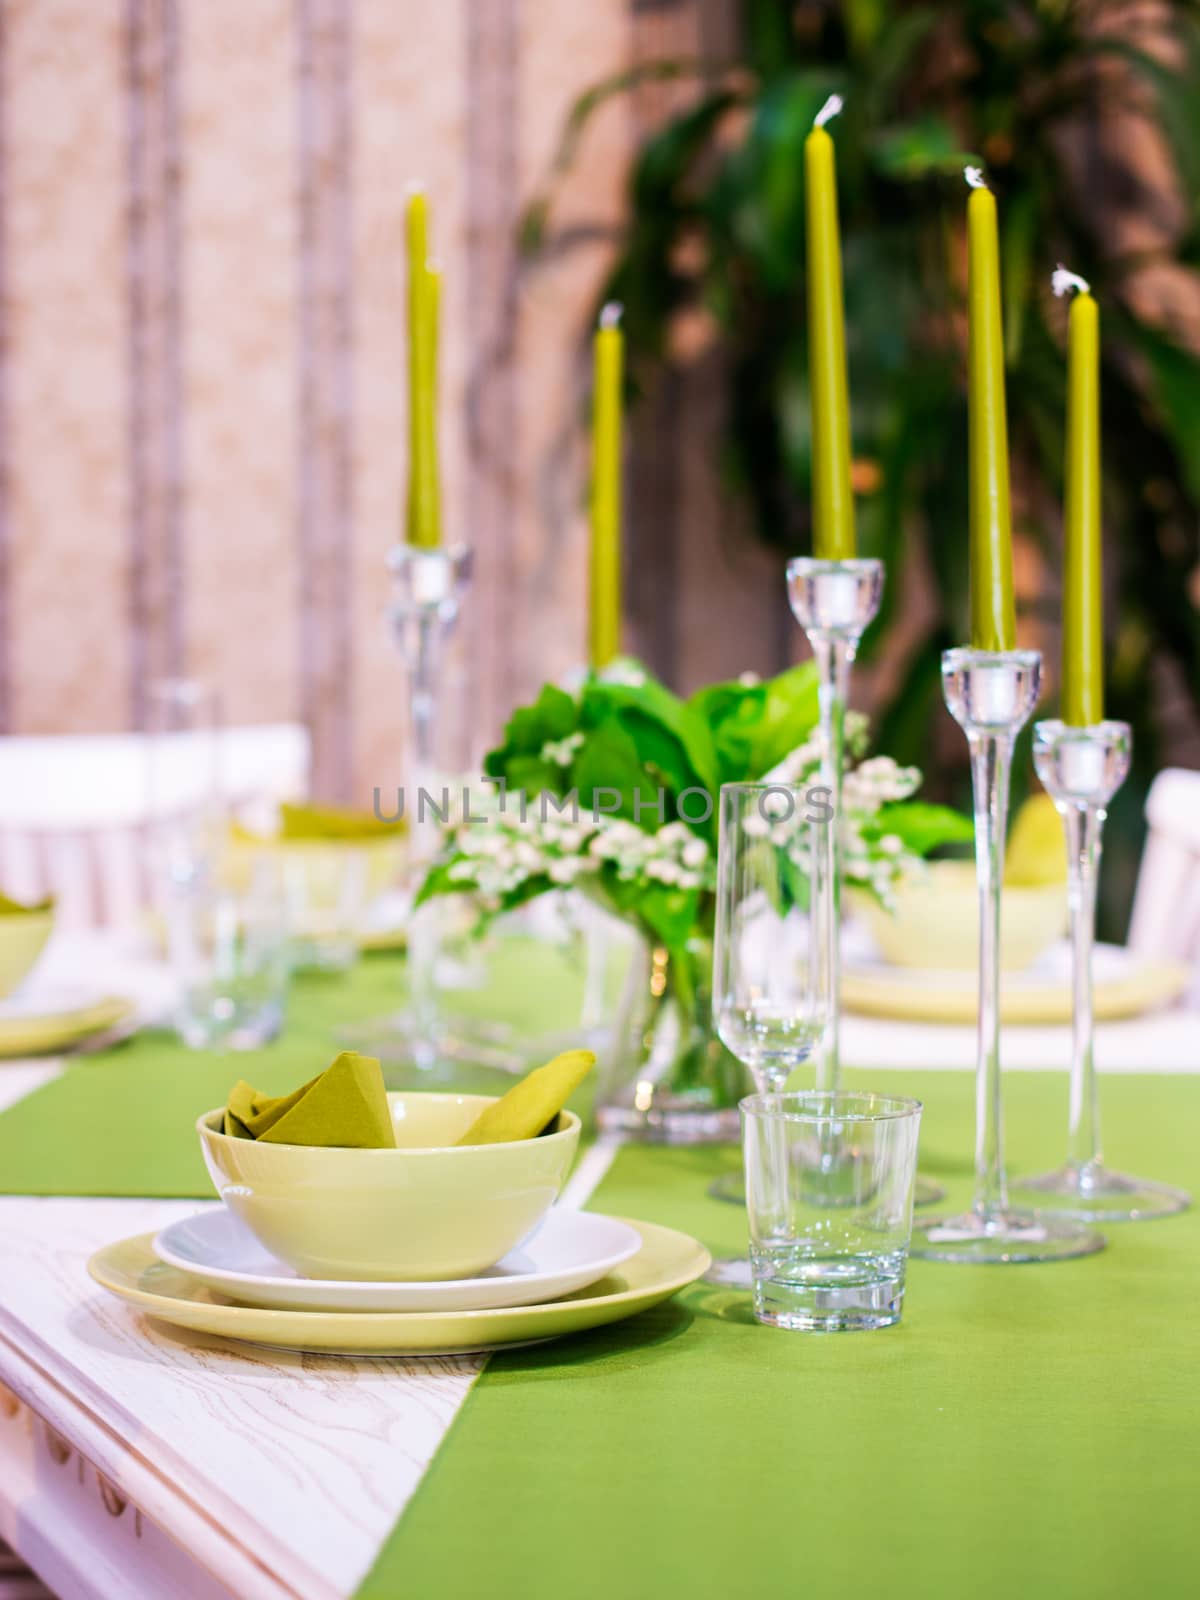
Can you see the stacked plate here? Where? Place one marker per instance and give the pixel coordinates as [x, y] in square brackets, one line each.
[579, 1270]
[47, 1019]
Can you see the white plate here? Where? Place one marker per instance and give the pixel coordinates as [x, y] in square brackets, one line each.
[569, 1251]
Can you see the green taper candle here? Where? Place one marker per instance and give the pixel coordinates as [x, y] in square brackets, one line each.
[832, 498]
[604, 604]
[424, 520]
[1082, 638]
[993, 614]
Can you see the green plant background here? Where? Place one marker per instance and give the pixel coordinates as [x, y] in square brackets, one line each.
[715, 218]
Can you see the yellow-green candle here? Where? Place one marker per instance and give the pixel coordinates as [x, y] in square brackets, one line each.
[832, 499]
[604, 610]
[424, 521]
[1082, 641]
[993, 614]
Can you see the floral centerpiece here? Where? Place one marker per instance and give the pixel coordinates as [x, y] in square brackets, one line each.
[613, 790]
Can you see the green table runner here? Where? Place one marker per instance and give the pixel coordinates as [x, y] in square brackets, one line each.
[1024, 1430]
[123, 1123]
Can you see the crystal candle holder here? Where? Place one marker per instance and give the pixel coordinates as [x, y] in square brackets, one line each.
[833, 601]
[1081, 769]
[428, 585]
[427, 592]
[991, 695]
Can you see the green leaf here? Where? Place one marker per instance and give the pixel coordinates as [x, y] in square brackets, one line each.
[553, 716]
[608, 762]
[733, 712]
[916, 149]
[789, 715]
[532, 775]
[754, 726]
[767, 175]
[889, 56]
[438, 881]
[1175, 384]
[920, 826]
[667, 915]
[665, 729]
[1018, 242]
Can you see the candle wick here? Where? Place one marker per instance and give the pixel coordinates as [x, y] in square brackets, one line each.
[611, 315]
[828, 111]
[975, 177]
[1063, 280]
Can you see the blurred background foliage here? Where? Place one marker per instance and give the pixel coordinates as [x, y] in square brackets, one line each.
[1083, 115]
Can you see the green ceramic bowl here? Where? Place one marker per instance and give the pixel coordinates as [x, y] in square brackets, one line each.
[22, 937]
[935, 924]
[428, 1210]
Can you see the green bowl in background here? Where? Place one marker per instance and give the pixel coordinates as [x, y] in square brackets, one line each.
[935, 924]
[23, 936]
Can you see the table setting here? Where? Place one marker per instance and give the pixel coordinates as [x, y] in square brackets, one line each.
[554, 1182]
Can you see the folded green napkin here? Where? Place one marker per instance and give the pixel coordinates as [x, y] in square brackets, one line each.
[532, 1106]
[344, 1105]
[332, 822]
[14, 908]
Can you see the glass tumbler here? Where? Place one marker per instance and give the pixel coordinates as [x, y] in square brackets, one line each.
[228, 950]
[820, 1264]
[327, 893]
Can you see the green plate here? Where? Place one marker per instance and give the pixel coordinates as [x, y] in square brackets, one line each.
[36, 1035]
[667, 1262]
[910, 995]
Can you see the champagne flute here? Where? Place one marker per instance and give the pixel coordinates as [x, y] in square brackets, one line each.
[770, 980]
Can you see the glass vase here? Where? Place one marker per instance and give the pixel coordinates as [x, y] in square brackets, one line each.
[667, 1078]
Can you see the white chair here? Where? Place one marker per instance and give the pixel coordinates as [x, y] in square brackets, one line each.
[1166, 906]
[73, 810]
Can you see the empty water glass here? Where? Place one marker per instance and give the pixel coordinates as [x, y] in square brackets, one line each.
[822, 1261]
[228, 950]
[184, 790]
[327, 891]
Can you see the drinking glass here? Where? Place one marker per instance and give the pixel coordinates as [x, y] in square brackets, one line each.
[228, 950]
[327, 890]
[770, 992]
[816, 1266]
[184, 789]
[770, 980]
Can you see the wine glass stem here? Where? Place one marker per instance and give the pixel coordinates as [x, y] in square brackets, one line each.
[834, 655]
[1083, 824]
[991, 763]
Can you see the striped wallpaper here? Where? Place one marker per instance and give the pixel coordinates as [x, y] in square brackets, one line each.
[202, 412]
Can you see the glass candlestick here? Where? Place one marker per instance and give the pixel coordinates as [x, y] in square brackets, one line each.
[991, 695]
[428, 588]
[834, 601]
[1081, 769]
[428, 585]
